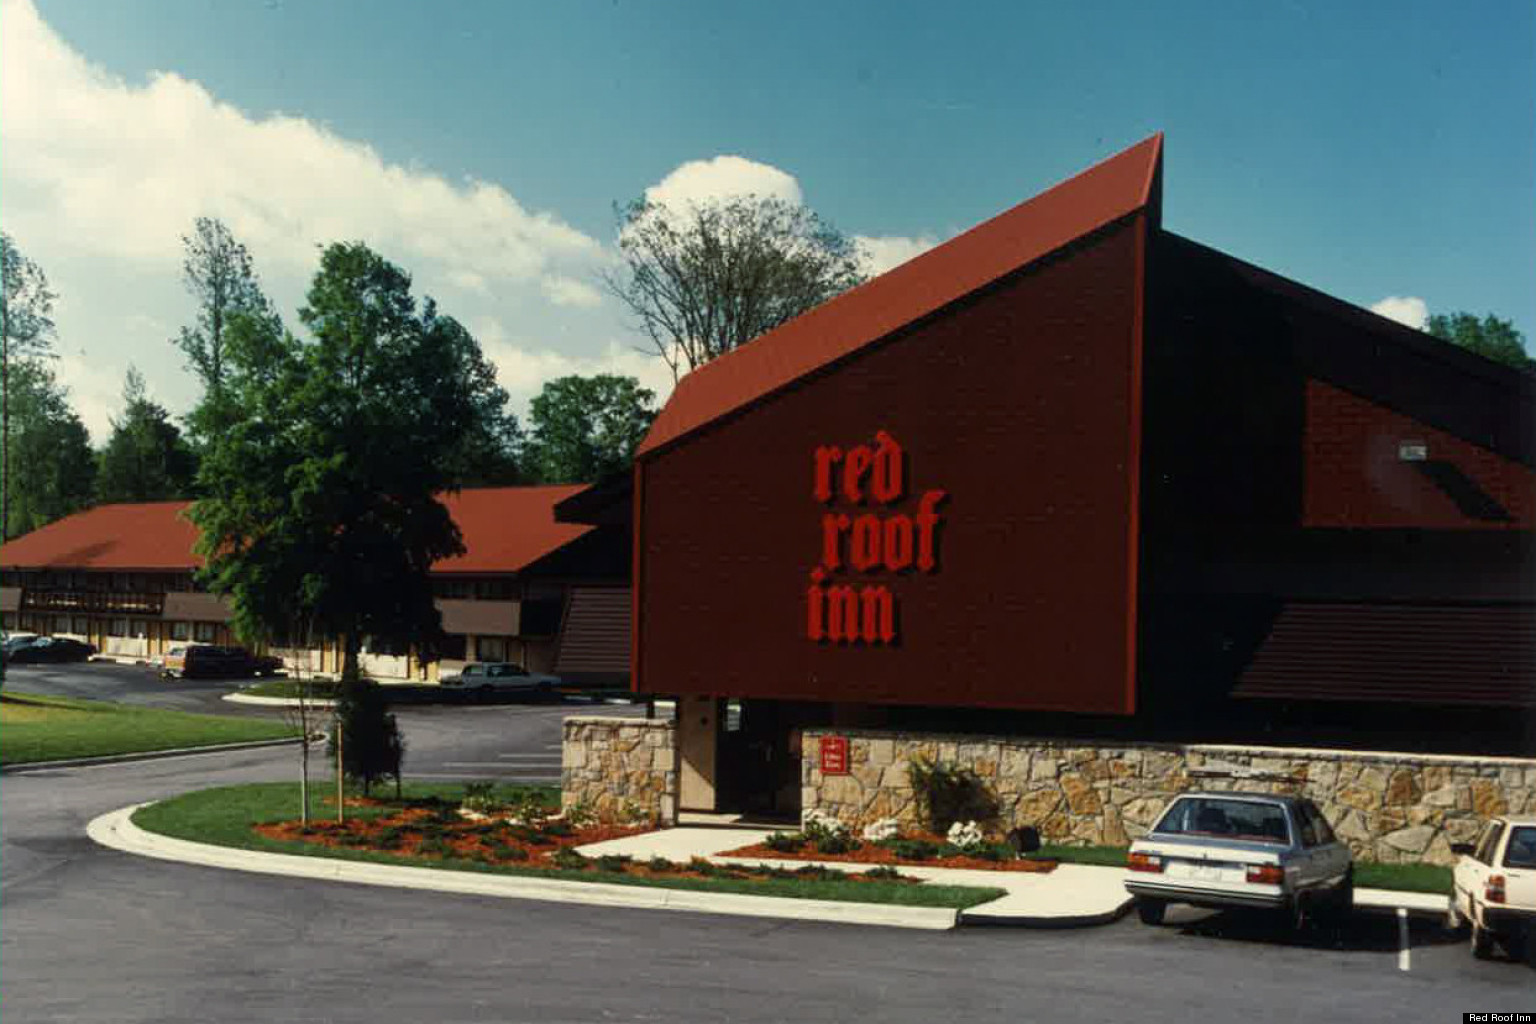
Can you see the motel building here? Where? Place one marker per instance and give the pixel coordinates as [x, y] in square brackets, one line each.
[1099, 513]
[551, 596]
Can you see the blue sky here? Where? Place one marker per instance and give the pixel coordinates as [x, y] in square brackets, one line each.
[1371, 151]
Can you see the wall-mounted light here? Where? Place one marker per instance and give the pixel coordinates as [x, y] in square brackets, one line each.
[1412, 451]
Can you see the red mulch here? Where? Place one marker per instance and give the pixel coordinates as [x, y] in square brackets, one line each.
[469, 840]
[869, 853]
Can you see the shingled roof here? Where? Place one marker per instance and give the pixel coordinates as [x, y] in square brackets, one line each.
[505, 529]
[1117, 187]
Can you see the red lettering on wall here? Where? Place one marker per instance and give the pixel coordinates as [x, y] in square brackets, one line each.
[840, 612]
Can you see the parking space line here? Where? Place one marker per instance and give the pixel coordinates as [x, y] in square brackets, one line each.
[1403, 961]
[547, 763]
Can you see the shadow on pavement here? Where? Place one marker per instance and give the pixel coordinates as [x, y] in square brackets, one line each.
[1361, 933]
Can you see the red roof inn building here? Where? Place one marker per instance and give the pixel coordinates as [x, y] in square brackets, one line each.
[1099, 513]
[121, 577]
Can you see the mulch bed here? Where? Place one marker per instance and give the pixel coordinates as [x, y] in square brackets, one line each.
[489, 843]
[869, 853]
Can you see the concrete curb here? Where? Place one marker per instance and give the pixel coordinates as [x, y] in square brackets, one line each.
[275, 702]
[116, 829]
[143, 755]
[979, 917]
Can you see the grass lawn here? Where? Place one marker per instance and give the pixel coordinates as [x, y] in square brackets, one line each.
[34, 728]
[224, 817]
[319, 688]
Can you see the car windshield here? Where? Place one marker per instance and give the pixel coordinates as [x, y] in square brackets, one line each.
[1226, 819]
[1521, 852]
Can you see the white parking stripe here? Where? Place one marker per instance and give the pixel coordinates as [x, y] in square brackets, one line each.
[1403, 962]
[497, 764]
[534, 757]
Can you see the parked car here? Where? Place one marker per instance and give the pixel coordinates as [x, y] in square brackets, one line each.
[46, 649]
[1494, 886]
[190, 661]
[1227, 850]
[15, 641]
[484, 678]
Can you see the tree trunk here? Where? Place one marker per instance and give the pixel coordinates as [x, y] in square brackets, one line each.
[350, 668]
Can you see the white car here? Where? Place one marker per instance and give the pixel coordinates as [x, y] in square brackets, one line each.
[1225, 850]
[484, 678]
[1495, 885]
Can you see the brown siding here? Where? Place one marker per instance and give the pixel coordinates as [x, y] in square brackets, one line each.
[1020, 404]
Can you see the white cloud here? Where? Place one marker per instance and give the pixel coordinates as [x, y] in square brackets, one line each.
[883, 252]
[102, 176]
[1405, 309]
[724, 177]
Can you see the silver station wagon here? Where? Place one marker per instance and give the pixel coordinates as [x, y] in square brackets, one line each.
[1227, 850]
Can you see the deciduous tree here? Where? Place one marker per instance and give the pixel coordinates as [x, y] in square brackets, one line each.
[321, 499]
[26, 332]
[703, 278]
[1489, 337]
[587, 427]
[146, 458]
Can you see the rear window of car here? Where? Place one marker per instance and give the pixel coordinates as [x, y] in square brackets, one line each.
[1521, 851]
[1226, 819]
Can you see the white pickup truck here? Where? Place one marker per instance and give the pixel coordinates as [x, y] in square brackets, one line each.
[1495, 885]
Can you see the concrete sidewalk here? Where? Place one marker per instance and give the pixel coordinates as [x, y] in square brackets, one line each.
[1073, 895]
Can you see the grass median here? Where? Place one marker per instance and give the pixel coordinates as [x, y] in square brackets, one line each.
[35, 728]
[226, 817]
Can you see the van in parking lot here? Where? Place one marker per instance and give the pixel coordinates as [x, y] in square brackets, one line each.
[191, 661]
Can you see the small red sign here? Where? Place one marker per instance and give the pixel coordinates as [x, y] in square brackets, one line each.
[834, 755]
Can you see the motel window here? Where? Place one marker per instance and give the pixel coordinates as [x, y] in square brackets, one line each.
[491, 648]
[61, 624]
[82, 625]
[10, 621]
[138, 628]
[181, 631]
[494, 590]
[457, 589]
[203, 632]
[454, 647]
[117, 627]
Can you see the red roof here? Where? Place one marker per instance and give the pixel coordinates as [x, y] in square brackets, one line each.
[505, 529]
[1104, 193]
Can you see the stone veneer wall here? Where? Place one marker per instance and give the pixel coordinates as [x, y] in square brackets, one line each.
[621, 768]
[1389, 807]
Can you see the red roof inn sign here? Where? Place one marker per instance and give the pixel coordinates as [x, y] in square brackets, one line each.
[859, 540]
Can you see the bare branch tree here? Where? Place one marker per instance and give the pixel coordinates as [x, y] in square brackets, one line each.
[707, 278]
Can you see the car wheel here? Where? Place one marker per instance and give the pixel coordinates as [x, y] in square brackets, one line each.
[1482, 940]
[1298, 913]
[1150, 911]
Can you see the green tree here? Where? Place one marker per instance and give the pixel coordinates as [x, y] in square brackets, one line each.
[706, 278]
[321, 498]
[146, 458]
[218, 273]
[371, 745]
[1489, 337]
[51, 457]
[587, 427]
[26, 333]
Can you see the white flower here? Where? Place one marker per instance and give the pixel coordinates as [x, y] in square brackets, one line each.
[965, 834]
[817, 823]
[885, 828]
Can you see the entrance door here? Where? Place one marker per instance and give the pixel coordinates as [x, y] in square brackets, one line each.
[698, 742]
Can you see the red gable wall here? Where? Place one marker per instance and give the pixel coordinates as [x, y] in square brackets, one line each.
[1022, 404]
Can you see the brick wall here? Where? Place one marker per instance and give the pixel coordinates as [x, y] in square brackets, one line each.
[1389, 807]
[1354, 477]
